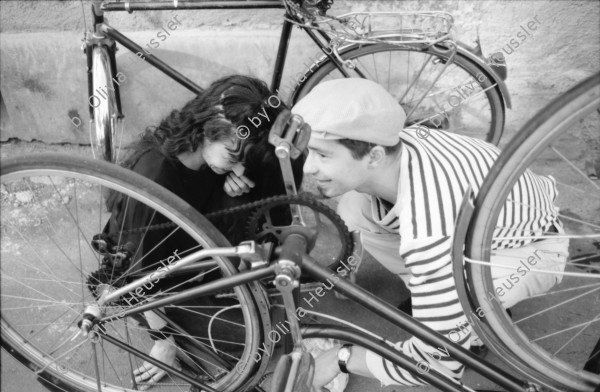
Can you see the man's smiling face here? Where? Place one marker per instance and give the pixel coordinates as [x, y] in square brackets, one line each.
[333, 167]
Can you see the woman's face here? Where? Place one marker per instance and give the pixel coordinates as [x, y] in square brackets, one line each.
[219, 158]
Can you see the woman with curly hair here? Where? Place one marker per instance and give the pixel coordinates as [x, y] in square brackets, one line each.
[213, 156]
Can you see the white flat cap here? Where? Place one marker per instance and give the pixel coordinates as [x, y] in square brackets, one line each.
[352, 108]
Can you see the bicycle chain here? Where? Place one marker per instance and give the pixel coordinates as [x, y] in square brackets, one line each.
[209, 216]
[305, 199]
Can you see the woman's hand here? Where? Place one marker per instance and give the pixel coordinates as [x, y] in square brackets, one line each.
[326, 368]
[236, 186]
[164, 351]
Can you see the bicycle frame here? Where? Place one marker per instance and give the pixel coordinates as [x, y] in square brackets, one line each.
[352, 291]
[107, 35]
[103, 29]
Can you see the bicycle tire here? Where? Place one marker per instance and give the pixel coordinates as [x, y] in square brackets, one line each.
[568, 111]
[460, 68]
[73, 186]
[103, 132]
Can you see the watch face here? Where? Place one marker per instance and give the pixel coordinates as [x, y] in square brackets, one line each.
[344, 354]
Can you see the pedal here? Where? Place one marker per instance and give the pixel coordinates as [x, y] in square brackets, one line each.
[289, 134]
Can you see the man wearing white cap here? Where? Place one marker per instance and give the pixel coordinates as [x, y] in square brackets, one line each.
[402, 189]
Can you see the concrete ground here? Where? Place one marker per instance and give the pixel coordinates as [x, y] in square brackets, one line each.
[372, 277]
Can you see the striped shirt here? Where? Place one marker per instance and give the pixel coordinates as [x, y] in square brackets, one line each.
[434, 175]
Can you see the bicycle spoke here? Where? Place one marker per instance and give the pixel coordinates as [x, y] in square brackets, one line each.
[557, 305]
[566, 290]
[579, 171]
[105, 355]
[78, 238]
[52, 350]
[583, 328]
[564, 330]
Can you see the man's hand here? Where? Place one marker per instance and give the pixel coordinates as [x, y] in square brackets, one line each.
[164, 351]
[326, 368]
[236, 186]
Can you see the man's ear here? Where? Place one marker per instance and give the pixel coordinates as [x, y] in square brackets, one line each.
[376, 156]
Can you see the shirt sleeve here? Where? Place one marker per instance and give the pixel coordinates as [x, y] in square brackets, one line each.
[435, 303]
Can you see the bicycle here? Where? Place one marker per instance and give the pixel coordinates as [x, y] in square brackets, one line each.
[418, 43]
[52, 206]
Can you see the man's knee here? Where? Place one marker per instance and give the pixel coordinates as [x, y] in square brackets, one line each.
[522, 281]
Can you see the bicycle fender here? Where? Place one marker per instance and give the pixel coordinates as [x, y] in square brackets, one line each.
[314, 66]
[494, 77]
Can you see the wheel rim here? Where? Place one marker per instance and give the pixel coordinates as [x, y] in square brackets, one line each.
[473, 107]
[547, 331]
[45, 265]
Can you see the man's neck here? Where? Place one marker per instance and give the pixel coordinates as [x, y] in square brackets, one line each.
[384, 182]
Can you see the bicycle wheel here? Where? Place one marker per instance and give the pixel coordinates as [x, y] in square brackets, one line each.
[546, 331]
[103, 132]
[435, 87]
[52, 206]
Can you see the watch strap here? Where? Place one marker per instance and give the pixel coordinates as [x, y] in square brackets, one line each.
[161, 334]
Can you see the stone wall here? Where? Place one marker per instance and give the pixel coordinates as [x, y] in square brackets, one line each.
[43, 81]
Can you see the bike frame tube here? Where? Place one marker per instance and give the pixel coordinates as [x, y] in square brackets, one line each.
[114, 71]
[283, 48]
[196, 268]
[166, 270]
[89, 56]
[150, 58]
[407, 323]
[189, 294]
[284, 41]
[98, 15]
[190, 5]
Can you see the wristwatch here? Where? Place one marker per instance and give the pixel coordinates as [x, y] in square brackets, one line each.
[161, 334]
[343, 355]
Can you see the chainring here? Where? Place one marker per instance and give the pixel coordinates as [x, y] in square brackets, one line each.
[261, 229]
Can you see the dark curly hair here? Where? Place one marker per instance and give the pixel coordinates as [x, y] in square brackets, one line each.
[225, 106]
